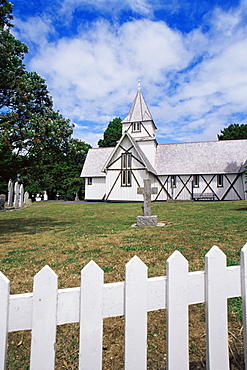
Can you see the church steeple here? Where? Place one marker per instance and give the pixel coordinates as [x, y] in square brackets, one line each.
[139, 111]
[140, 126]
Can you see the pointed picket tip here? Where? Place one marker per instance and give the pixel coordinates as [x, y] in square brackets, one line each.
[214, 251]
[92, 266]
[244, 249]
[135, 261]
[3, 279]
[46, 271]
[176, 256]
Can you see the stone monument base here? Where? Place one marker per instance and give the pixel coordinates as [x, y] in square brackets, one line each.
[146, 220]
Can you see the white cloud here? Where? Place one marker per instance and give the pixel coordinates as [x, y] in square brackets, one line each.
[90, 75]
[36, 30]
[193, 83]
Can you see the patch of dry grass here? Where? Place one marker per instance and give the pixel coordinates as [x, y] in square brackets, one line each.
[67, 236]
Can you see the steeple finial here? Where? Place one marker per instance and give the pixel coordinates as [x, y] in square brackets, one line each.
[139, 85]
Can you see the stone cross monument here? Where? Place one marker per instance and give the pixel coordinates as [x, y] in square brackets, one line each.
[147, 219]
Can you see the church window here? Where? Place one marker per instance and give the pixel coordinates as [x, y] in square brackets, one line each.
[126, 169]
[136, 127]
[89, 180]
[196, 181]
[173, 181]
[220, 183]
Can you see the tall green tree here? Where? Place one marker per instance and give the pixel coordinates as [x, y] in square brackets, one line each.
[57, 171]
[12, 53]
[35, 140]
[233, 132]
[112, 133]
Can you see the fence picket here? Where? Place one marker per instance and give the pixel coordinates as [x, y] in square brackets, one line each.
[91, 317]
[44, 323]
[46, 307]
[244, 297]
[177, 312]
[216, 309]
[135, 315]
[4, 302]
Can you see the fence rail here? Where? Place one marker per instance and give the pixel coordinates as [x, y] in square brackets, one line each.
[47, 306]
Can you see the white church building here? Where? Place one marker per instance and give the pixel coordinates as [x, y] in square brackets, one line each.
[185, 171]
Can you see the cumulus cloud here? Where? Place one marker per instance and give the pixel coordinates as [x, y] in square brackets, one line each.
[194, 83]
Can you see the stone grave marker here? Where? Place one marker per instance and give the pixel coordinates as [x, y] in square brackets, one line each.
[21, 196]
[26, 197]
[147, 219]
[10, 193]
[17, 194]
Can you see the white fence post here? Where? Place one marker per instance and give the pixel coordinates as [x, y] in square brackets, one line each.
[4, 311]
[91, 318]
[135, 315]
[44, 320]
[216, 310]
[244, 297]
[177, 312]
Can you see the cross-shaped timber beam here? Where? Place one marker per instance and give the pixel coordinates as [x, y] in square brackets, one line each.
[147, 191]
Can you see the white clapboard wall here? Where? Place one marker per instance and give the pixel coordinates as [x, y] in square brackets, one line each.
[47, 306]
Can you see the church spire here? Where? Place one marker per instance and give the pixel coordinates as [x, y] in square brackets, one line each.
[139, 111]
[139, 85]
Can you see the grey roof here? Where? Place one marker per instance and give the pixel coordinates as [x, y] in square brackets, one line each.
[226, 156]
[139, 111]
[137, 148]
[95, 160]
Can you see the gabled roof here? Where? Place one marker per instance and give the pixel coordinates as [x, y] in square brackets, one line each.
[215, 157]
[139, 111]
[95, 161]
[143, 157]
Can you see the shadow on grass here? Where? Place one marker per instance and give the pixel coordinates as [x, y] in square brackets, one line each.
[241, 209]
[27, 226]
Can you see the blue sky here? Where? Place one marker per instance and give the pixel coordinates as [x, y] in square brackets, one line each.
[190, 56]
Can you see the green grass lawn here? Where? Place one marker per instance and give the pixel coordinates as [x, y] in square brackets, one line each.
[67, 236]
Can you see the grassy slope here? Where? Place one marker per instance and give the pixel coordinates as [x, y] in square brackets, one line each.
[68, 236]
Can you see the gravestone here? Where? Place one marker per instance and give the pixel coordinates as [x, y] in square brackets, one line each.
[45, 196]
[21, 196]
[26, 197]
[2, 201]
[10, 193]
[38, 198]
[147, 219]
[17, 194]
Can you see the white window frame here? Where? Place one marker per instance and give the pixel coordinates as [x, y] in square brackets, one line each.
[220, 181]
[136, 126]
[126, 160]
[173, 181]
[196, 181]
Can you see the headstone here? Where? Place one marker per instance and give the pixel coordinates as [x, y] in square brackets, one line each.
[10, 193]
[38, 198]
[17, 194]
[45, 195]
[26, 197]
[21, 198]
[2, 201]
[147, 219]
[76, 197]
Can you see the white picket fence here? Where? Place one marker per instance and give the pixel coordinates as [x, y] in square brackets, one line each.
[48, 306]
